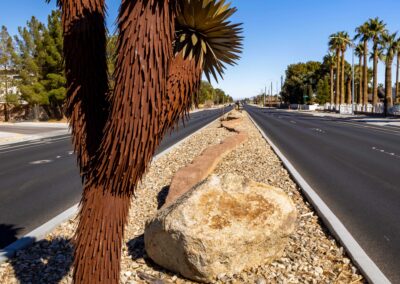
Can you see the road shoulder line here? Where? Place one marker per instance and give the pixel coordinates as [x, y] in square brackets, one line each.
[40, 232]
[369, 269]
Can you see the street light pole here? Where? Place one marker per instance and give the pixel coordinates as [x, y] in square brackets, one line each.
[270, 100]
[352, 83]
[265, 93]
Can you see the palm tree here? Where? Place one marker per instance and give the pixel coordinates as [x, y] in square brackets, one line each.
[345, 41]
[330, 60]
[156, 72]
[397, 73]
[363, 33]
[335, 44]
[391, 45]
[376, 28]
[359, 52]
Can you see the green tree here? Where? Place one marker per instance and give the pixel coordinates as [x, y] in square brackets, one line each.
[391, 44]
[364, 34]
[397, 89]
[206, 92]
[301, 82]
[52, 69]
[376, 28]
[30, 48]
[323, 91]
[344, 40]
[220, 96]
[330, 61]
[7, 55]
[111, 56]
[335, 44]
[359, 52]
[40, 65]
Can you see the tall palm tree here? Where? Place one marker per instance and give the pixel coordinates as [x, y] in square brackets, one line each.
[345, 41]
[391, 45]
[331, 61]
[363, 33]
[335, 44]
[115, 135]
[397, 73]
[376, 28]
[359, 52]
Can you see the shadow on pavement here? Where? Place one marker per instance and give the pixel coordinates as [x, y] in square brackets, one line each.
[44, 262]
[8, 234]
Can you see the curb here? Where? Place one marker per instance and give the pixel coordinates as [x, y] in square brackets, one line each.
[166, 151]
[30, 138]
[40, 232]
[37, 234]
[360, 258]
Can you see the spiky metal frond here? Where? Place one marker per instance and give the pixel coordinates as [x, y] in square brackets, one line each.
[184, 79]
[204, 33]
[86, 71]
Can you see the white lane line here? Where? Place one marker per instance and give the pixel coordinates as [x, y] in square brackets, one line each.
[318, 130]
[367, 266]
[40, 162]
[387, 131]
[386, 152]
[294, 122]
[39, 233]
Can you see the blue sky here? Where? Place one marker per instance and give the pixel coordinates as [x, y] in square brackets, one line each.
[277, 32]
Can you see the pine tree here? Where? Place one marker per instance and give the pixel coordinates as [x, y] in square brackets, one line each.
[7, 54]
[30, 47]
[52, 69]
[40, 65]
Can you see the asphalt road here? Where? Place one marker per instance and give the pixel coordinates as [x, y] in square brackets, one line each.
[354, 167]
[39, 179]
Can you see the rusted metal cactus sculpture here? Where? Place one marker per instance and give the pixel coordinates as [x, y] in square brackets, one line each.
[163, 48]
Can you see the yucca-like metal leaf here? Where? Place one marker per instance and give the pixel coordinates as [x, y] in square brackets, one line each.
[204, 33]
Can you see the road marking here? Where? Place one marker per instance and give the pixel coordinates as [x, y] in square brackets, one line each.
[386, 238]
[370, 270]
[318, 130]
[387, 131]
[58, 157]
[40, 162]
[70, 152]
[294, 122]
[385, 152]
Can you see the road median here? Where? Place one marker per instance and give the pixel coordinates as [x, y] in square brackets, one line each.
[311, 256]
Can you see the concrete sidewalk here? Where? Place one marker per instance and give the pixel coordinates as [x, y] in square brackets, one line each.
[11, 133]
[378, 121]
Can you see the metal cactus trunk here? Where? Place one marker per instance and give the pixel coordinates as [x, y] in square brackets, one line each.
[115, 134]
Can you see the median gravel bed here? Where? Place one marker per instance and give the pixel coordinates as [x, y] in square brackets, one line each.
[312, 255]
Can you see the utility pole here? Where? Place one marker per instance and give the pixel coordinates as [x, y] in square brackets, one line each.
[272, 91]
[265, 93]
[352, 79]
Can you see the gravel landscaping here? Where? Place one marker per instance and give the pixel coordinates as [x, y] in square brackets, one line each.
[312, 255]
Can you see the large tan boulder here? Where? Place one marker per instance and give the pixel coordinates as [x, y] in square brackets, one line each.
[223, 225]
